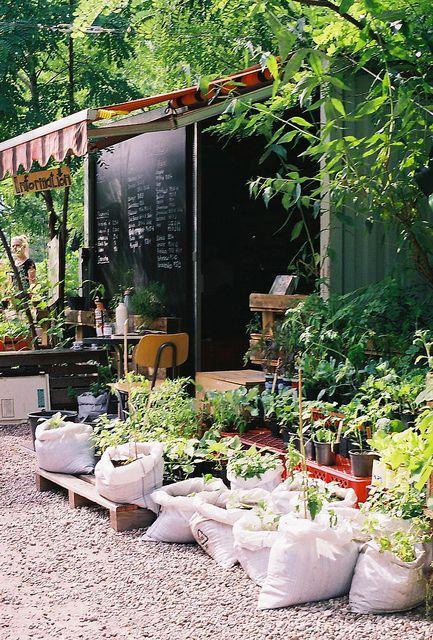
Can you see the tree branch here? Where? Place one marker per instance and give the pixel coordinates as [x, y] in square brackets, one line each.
[333, 7]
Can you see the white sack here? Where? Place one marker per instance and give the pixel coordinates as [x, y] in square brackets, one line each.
[247, 499]
[177, 507]
[268, 481]
[252, 545]
[308, 562]
[132, 483]
[66, 449]
[87, 403]
[288, 496]
[212, 528]
[384, 583]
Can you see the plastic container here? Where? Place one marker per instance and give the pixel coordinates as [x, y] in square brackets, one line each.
[325, 454]
[361, 463]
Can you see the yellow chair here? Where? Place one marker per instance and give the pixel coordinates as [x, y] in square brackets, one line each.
[161, 351]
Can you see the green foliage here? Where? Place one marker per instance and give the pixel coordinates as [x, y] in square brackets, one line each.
[384, 57]
[408, 453]
[150, 301]
[251, 463]
[232, 410]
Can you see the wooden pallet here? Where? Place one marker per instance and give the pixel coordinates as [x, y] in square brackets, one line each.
[82, 492]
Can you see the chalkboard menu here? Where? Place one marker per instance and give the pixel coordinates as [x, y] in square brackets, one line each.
[141, 224]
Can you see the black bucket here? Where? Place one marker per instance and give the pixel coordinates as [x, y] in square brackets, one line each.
[38, 416]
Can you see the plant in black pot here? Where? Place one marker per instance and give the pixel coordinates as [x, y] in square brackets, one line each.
[361, 456]
[324, 442]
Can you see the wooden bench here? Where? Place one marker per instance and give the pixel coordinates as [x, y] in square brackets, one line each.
[82, 492]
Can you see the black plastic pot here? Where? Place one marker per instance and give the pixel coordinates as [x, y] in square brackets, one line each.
[325, 454]
[344, 446]
[310, 450]
[361, 463]
[38, 416]
[274, 428]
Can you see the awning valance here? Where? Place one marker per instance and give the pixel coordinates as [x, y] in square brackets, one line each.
[55, 140]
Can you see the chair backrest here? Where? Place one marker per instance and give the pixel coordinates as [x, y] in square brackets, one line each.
[146, 350]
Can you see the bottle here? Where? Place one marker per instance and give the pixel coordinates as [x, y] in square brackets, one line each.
[100, 317]
[121, 317]
[128, 304]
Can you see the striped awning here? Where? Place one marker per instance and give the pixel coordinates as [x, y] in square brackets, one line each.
[70, 135]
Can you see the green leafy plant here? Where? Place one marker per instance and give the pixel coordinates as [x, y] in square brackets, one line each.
[252, 463]
[324, 434]
[150, 301]
[55, 422]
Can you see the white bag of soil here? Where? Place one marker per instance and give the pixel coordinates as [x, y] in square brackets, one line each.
[65, 449]
[268, 481]
[133, 482]
[212, 528]
[254, 535]
[88, 403]
[176, 503]
[383, 583]
[287, 497]
[308, 562]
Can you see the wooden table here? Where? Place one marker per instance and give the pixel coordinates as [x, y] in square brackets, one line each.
[228, 380]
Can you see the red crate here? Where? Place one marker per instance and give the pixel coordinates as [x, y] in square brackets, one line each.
[339, 473]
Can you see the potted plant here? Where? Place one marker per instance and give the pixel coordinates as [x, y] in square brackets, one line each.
[324, 440]
[148, 304]
[14, 335]
[361, 456]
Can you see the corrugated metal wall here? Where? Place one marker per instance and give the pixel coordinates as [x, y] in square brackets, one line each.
[359, 255]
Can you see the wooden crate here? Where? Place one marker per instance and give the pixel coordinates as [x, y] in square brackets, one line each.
[82, 493]
[228, 380]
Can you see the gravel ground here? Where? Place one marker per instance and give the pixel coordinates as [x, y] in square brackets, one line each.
[67, 575]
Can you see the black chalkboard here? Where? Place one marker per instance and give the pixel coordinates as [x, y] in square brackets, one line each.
[141, 222]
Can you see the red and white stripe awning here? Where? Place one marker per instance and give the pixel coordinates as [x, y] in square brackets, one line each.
[71, 135]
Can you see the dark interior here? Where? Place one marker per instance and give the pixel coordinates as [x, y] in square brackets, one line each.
[243, 245]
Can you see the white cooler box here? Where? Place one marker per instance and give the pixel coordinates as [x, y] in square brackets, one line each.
[22, 395]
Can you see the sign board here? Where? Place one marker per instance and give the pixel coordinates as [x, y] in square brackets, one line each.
[55, 178]
[141, 226]
[284, 285]
[53, 270]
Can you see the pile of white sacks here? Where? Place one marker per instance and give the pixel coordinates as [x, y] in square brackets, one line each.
[292, 558]
[260, 523]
